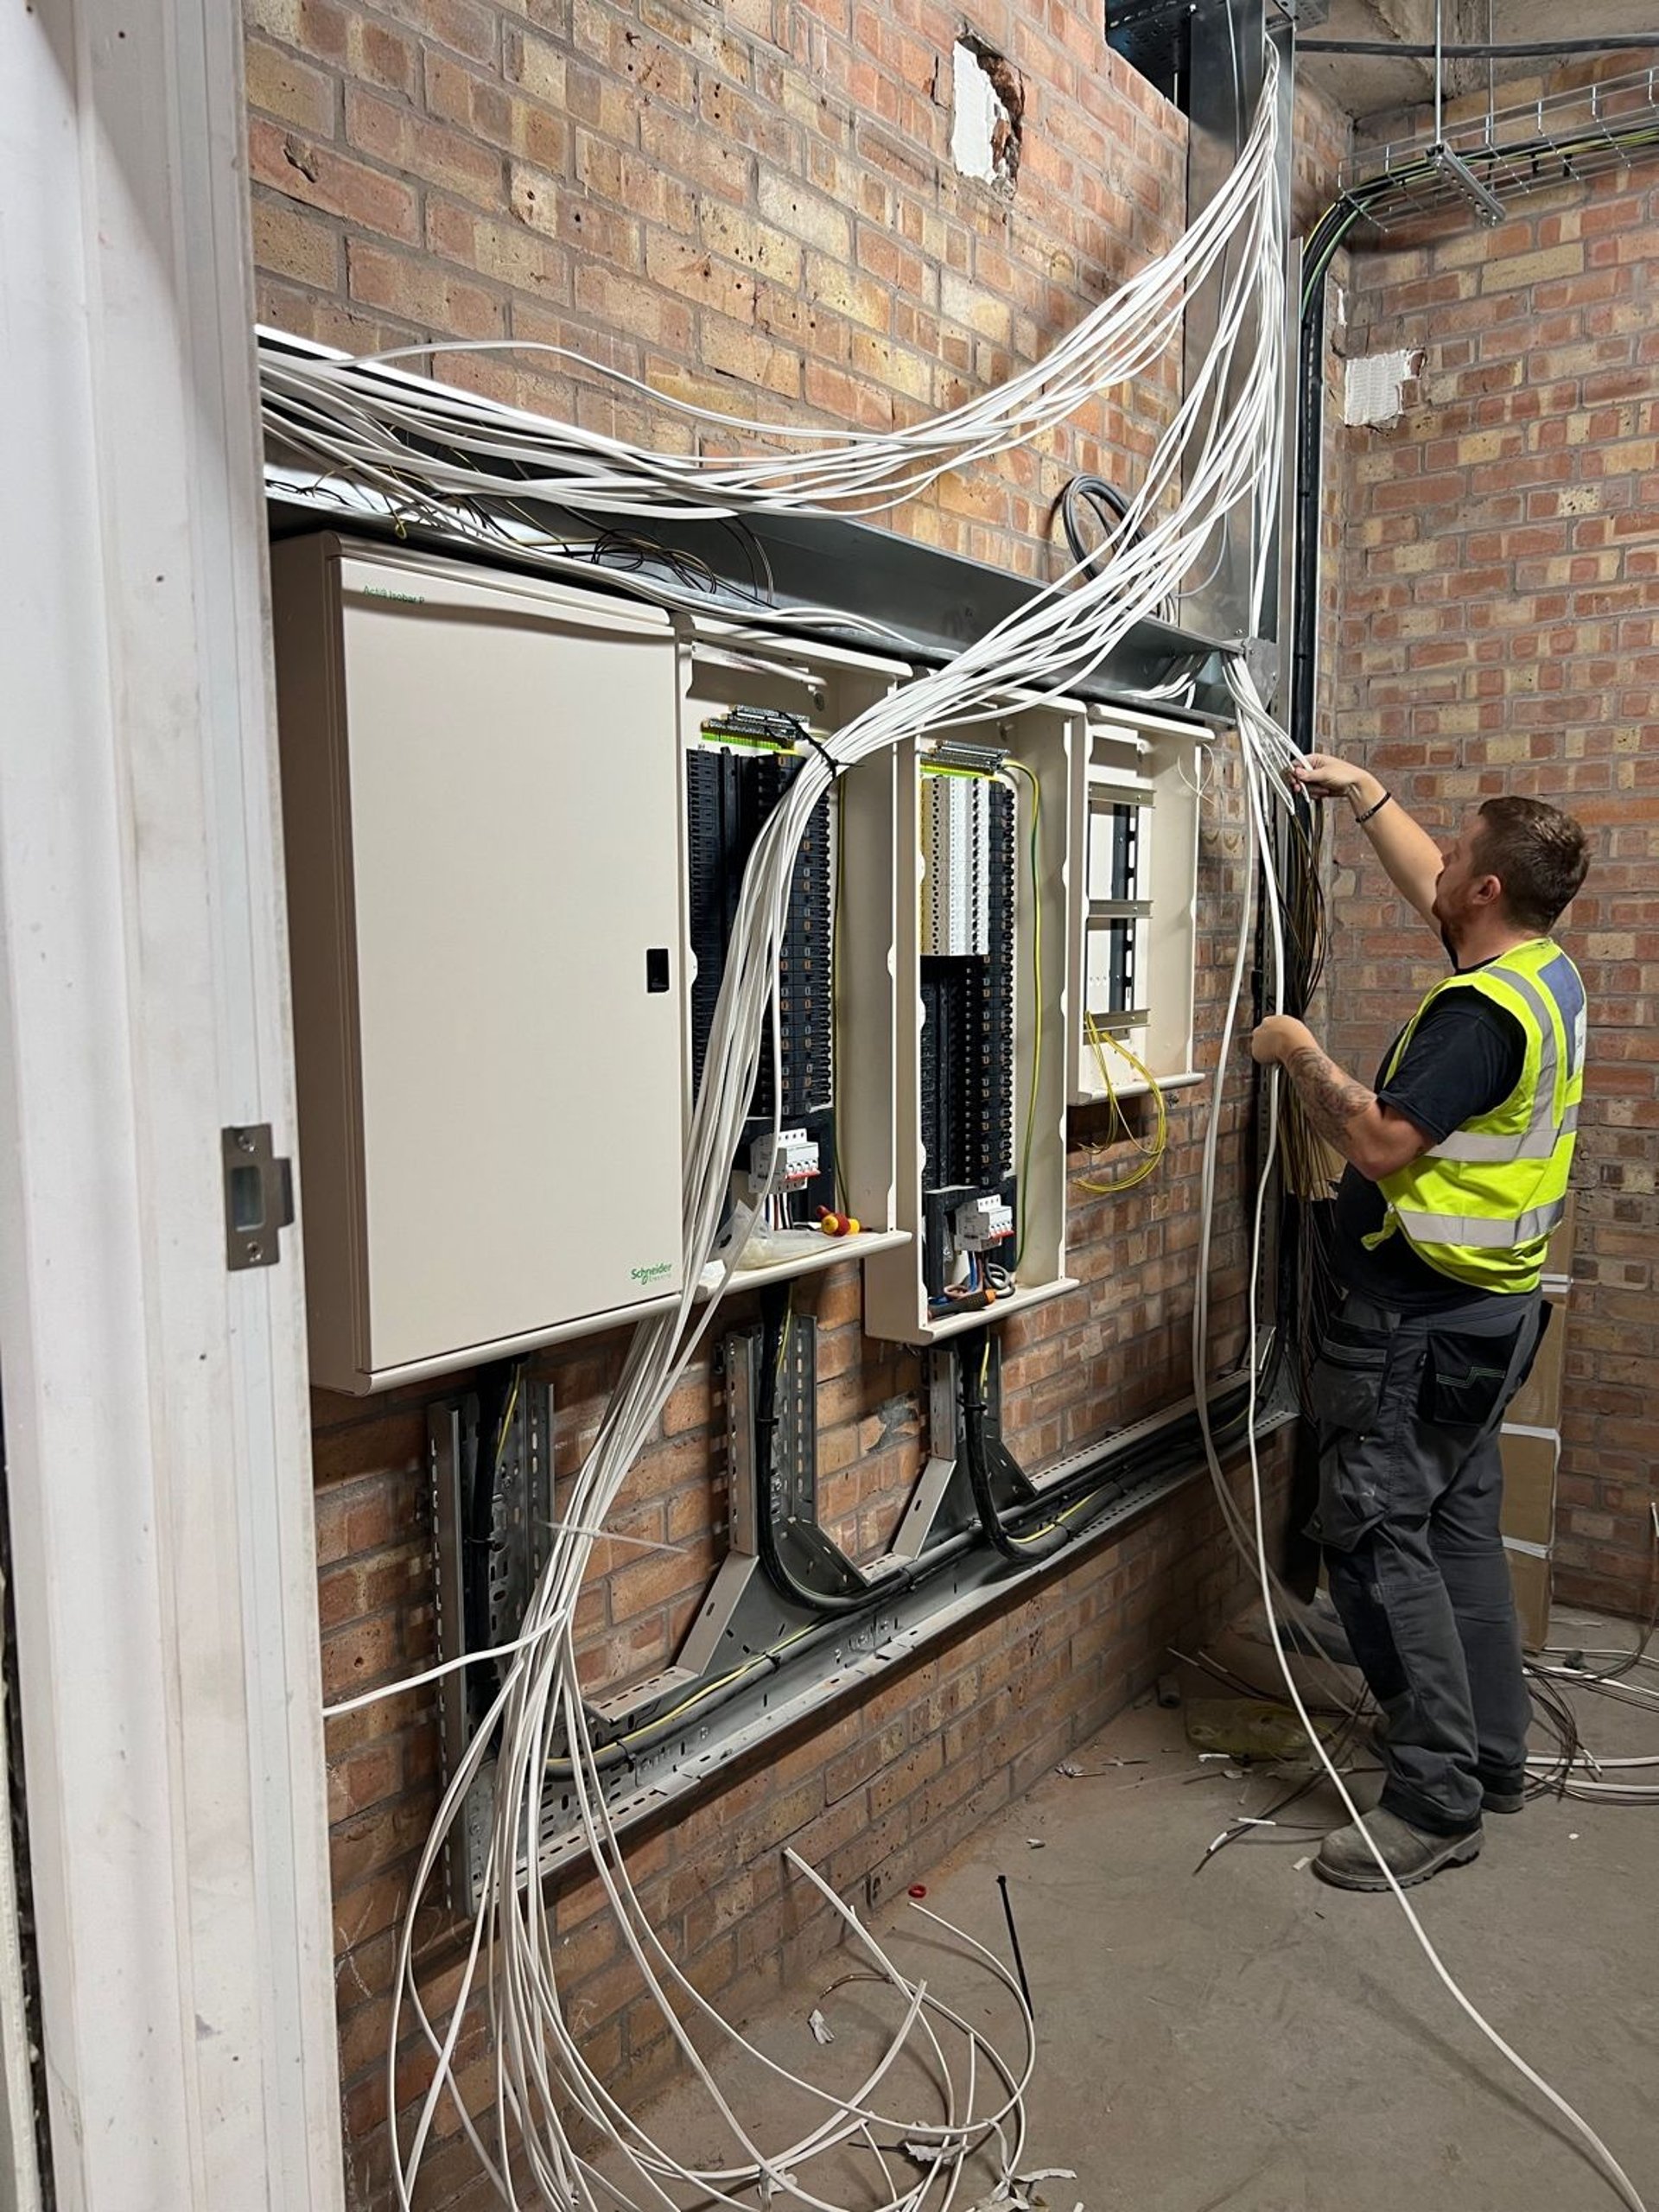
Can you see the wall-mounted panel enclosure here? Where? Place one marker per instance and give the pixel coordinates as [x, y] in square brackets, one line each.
[983, 966]
[1136, 781]
[751, 715]
[482, 808]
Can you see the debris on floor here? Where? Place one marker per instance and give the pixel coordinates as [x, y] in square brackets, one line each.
[1248, 1728]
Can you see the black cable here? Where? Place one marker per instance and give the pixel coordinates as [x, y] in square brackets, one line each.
[1615, 42]
[1558, 1717]
[1114, 1477]
[1014, 1941]
[974, 1362]
[1309, 458]
[1101, 496]
[774, 1309]
[1241, 1688]
[497, 1383]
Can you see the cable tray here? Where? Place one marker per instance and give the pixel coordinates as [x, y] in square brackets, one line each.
[1496, 154]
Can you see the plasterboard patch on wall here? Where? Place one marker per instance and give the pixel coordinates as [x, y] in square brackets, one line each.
[987, 102]
[1374, 386]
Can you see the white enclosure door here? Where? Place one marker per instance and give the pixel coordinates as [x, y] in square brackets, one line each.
[515, 853]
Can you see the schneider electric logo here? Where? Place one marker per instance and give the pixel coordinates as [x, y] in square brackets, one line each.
[652, 1274]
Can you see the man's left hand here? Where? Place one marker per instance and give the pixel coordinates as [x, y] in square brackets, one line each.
[1280, 1034]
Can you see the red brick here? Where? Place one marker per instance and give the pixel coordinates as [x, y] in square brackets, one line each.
[281, 85]
[405, 140]
[429, 294]
[304, 169]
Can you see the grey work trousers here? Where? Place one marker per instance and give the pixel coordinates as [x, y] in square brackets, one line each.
[1407, 1408]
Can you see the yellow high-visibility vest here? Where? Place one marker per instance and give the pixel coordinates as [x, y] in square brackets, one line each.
[1480, 1206]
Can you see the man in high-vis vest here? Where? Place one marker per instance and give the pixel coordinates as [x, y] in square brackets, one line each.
[1457, 1165]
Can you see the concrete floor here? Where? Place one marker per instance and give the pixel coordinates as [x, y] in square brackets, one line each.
[1245, 2037]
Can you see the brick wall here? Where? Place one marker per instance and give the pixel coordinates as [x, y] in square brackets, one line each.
[1500, 632]
[872, 1791]
[755, 206]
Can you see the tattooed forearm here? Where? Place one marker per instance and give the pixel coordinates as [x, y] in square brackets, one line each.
[1330, 1098]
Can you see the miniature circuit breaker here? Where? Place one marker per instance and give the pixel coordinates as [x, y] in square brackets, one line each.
[982, 1072]
[811, 1180]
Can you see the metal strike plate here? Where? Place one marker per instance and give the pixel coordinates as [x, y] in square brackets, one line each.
[258, 1196]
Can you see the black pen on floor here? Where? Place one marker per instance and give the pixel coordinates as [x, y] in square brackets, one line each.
[1013, 1938]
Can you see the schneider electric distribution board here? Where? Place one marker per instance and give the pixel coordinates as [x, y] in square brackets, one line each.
[481, 807]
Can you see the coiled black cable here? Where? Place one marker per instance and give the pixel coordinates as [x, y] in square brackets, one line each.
[1040, 1545]
[1110, 507]
[774, 1309]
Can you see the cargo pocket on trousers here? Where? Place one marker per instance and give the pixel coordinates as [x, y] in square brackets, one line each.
[1467, 1379]
[1344, 1394]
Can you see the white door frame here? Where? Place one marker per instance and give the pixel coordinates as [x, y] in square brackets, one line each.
[155, 1404]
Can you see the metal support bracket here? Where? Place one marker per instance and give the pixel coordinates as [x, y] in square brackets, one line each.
[520, 1540]
[942, 1503]
[744, 1612]
[1485, 202]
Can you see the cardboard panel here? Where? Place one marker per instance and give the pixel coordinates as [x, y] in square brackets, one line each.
[1537, 1404]
[1530, 1456]
[1531, 1575]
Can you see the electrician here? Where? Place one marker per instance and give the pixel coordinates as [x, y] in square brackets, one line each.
[1457, 1165]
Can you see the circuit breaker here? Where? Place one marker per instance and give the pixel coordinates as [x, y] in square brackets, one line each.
[739, 766]
[968, 1005]
[752, 716]
[984, 968]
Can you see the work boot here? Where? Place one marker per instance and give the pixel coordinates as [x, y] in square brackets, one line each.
[1414, 1855]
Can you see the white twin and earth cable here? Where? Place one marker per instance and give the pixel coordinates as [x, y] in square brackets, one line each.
[357, 414]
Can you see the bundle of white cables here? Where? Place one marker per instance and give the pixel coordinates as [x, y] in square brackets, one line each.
[411, 441]
[379, 426]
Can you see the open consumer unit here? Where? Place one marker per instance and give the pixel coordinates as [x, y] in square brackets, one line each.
[820, 1130]
[983, 953]
[1136, 792]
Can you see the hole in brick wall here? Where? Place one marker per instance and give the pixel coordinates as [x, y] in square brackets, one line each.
[1093, 1128]
[989, 102]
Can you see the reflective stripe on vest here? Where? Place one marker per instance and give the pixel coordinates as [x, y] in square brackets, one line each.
[1535, 1143]
[1483, 1233]
[1479, 1205]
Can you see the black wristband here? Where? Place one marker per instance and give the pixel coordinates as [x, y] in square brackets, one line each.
[1364, 818]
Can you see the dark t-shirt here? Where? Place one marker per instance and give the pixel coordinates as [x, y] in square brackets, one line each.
[1465, 1060]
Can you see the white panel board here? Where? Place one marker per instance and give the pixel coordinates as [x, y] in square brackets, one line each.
[482, 783]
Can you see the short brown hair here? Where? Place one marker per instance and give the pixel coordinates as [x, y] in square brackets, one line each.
[1539, 855]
